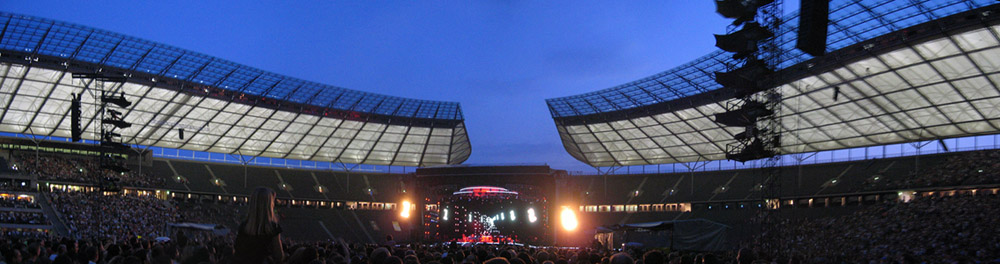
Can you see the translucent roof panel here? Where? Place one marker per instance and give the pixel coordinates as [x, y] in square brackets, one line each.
[232, 110]
[946, 86]
[37, 99]
[851, 21]
[66, 40]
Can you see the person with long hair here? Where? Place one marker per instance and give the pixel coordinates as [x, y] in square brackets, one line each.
[259, 237]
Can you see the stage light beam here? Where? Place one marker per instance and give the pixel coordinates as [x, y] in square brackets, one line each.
[568, 217]
[405, 212]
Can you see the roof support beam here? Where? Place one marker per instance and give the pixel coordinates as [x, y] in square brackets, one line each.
[266, 119]
[136, 138]
[328, 137]
[44, 103]
[185, 101]
[17, 87]
[427, 142]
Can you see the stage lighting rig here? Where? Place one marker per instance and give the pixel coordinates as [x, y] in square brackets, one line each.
[749, 133]
[113, 119]
[741, 10]
[109, 86]
[118, 100]
[750, 79]
[118, 123]
[110, 136]
[757, 104]
[757, 148]
[743, 42]
[744, 116]
[115, 114]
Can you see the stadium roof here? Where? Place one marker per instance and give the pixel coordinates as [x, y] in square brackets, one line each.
[223, 106]
[903, 73]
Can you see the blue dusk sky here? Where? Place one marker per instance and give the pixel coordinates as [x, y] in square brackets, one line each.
[499, 59]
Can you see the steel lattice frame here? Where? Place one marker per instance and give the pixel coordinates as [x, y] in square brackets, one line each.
[224, 107]
[935, 79]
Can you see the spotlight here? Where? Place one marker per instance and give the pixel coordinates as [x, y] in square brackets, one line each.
[512, 216]
[568, 217]
[531, 215]
[405, 213]
[444, 215]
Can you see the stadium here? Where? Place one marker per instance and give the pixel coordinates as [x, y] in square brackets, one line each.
[879, 145]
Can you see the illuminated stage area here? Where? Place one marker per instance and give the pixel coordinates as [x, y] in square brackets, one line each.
[492, 214]
[507, 204]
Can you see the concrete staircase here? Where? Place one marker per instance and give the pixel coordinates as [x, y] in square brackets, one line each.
[54, 216]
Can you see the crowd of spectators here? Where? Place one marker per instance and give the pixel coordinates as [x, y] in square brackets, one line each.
[23, 233]
[122, 229]
[79, 170]
[17, 188]
[189, 248]
[23, 218]
[966, 168]
[15, 202]
[952, 229]
[207, 213]
[10, 213]
[96, 215]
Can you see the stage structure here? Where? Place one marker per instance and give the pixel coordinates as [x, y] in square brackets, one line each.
[489, 204]
[106, 89]
[752, 80]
